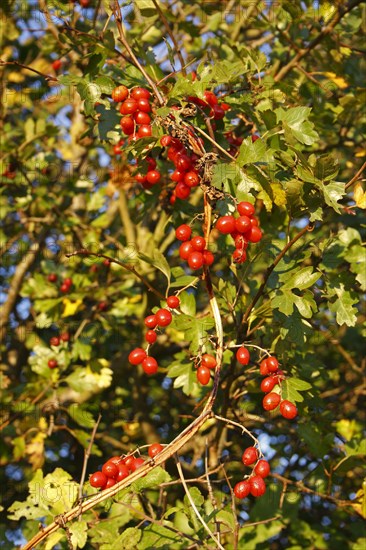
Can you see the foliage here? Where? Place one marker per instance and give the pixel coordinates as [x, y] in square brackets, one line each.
[289, 73]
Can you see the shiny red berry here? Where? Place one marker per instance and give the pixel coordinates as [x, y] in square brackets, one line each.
[129, 106]
[163, 317]
[250, 455]
[272, 364]
[136, 463]
[288, 409]
[185, 250]
[150, 365]
[203, 375]
[245, 209]
[155, 449]
[208, 360]
[208, 257]
[153, 176]
[139, 93]
[263, 367]
[198, 243]
[271, 401]
[183, 232]
[242, 489]
[110, 469]
[226, 224]
[195, 260]
[52, 363]
[98, 479]
[123, 472]
[127, 125]
[173, 302]
[55, 341]
[150, 336]
[242, 355]
[257, 486]
[262, 468]
[268, 384]
[120, 93]
[52, 277]
[136, 356]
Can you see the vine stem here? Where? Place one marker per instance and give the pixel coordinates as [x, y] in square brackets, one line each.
[194, 507]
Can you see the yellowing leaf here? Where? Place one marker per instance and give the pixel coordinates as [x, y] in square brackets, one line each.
[279, 195]
[360, 504]
[359, 196]
[71, 307]
[15, 77]
[361, 153]
[35, 450]
[338, 80]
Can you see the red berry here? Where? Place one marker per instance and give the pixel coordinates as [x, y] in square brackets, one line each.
[150, 365]
[142, 118]
[138, 93]
[155, 449]
[177, 175]
[182, 191]
[52, 277]
[208, 361]
[191, 179]
[239, 256]
[153, 176]
[243, 224]
[242, 489]
[240, 242]
[195, 260]
[183, 232]
[137, 463]
[250, 455]
[271, 401]
[257, 486]
[262, 468]
[56, 65]
[144, 131]
[288, 409]
[52, 363]
[67, 281]
[128, 461]
[242, 355]
[143, 105]
[55, 341]
[263, 367]
[254, 138]
[129, 106]
[226, 224]
[98, 479]
[210, 98]
[127, 125]
[103, 306]
[183, 162]
[151, 162]
[106, 262]
[110, 469]
[140, 178]
[110, 482]
[64, 288]
[208, 257]
[272, 364]
[245, 209]
[198, 243]
[123, 472]
[173, 302]
[218, 112]
[117, 149]
[185, 250]
[120, 93]
[165, 141]
[164, 317]
[151, 321]
[150, 336]
[268, 384]
[136, 356]
[65, 336]
[203, 375]
[255, 235]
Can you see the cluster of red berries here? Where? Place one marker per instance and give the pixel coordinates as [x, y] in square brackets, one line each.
[193, 250]
[162, 318]
[243, 229]
[135, 108]
[206, 365]
[152, 176]
[55, 341]
[118, 468]
[185, 176]
[65, 285]
[269, 367]
[216, 110]
[253, 484]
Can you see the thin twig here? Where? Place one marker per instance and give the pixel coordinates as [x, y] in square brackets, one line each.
[211, 493]
[45, 76]
[356, 176]
[86, 458]
[172, 37]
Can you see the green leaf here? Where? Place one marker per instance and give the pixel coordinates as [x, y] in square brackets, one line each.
[343, 306]
[314, 439]
[251, 152]
[291, 388]
[296, 124]
[284, 302]
[158, 260]
[129, 539]
[79, 533]
[184, 377]
[301, 279]
[153, 479]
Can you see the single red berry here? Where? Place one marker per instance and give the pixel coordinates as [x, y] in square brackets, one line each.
[271, 401]
[208, 257]
[182, 162]
[116, 460]
[64, 288]
[52, 363]
[137, 463]
[143, 105]
[110, 482]
[226, 224]
[110, 469]
[218, 112]
[106, 262]
[268, 384]
[173, 152]
[173, 302]
[52, 277]
[56, 65]
[250, 455]
[129, 106]
[136, 356]
[191, 178]
[139, 93]
[183, 232]
[127, 125]
[140, 178]
[128, 461]
[155, 449]
[198, 243]
[144, 131]
[203, 375]
[185, 250]
[210, 98]
[243, 355]
[240, 242]
[243, 224]
[117, 149]
[123, 472]
[151, 162]
[208, 361]
[288, 409]
[262, 468]
[150, 336]
[254, 222]
[151, 321]
[182, 191]
[272, 364]
[55, 341]
[98, 479]
[239, 256]
[164, 317]
[120, 93]
[255, 235]
[177, 175]
[263, 367]
[254, 138]
[165, 141]
[153, 176]
[65, 336]
[67, 281]
[142, 118]
[245, 209]
[242, 489]
[195, 260]
[257, 486]
[102, 306]
[150, 365]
